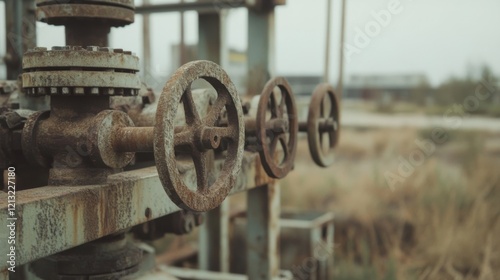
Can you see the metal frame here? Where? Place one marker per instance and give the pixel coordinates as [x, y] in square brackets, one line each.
[315, 227]
[53, 219]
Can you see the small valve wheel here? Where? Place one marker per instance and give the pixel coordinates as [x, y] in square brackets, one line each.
[323, 122]
[277, 126]
[198, 137]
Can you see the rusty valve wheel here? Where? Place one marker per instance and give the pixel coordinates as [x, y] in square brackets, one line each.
[276, 126]
[322, 122]
[198, 137]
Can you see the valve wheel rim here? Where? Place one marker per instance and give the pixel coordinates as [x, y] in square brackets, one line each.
[177, 90]
[284, 110]
[323, 94]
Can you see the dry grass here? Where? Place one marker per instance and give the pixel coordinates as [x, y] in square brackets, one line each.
[442, 222]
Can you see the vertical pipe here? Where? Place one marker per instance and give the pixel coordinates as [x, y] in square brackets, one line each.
[146, 41]
[182, 45]
[326, 77]
[214, 239]
[330, 236]
[14, 37]
[209, 37]
[260, 50]
[340, 83]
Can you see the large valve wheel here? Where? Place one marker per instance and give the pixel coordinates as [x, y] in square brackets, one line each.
[277, 125]
[323, 122]
[199, 136]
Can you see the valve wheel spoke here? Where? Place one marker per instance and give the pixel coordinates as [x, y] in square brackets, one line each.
[190, 110]
[201, 162]
[215, 110]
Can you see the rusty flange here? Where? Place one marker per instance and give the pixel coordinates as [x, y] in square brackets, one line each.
[101, 136]
[199, 136]
[79, 57]
[111, 12]
[277, 124]
[323, 120]
[76, 70]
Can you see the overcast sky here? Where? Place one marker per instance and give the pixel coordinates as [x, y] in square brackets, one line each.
[437, 38]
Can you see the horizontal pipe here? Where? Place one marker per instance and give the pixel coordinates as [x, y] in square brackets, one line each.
[134, 139]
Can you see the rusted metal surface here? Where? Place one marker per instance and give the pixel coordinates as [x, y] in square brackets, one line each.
[101, 71]
[52, 219]
[91, 81]
[323, 121]
[200, 134]
[80, 57]
[277, 124]
[122, 3]
[60, 14]
[101, 135]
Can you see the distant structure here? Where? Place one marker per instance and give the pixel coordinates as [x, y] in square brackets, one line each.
[237, 69]
[395, 87]
[303, 84]
[236, 65]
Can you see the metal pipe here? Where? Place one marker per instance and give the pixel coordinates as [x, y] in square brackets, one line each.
[146, 41]
[340, 83]
[327, 47]
[134, 139]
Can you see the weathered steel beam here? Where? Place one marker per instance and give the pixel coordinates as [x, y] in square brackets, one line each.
[54, 219]
[263, 232]
[199, 6]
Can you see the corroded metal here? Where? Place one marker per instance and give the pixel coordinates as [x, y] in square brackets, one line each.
[323, 122]
[200, 135]
[101, 71]
[79, 57]
[122, 3]
[52, 219]
[56, 13]
[277, 124]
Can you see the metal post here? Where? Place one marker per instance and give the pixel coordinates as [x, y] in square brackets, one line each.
[209, 37]
[326, 77]
[14, 37]
[214, 239]
[330, 234]
[263, 232]
[182, 44]
[146, 41]
[260, 50]
[315, 241]
[340, 83]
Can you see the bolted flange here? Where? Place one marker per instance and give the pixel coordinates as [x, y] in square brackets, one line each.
[100, 71]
